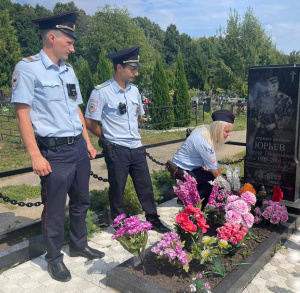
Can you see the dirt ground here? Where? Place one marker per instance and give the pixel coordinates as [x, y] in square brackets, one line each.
[22, 216]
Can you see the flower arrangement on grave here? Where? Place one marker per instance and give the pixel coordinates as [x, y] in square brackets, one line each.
[198, 285]
[132, 234]
[277, 194]
[272, 212]
[171, 247]
[238, 209]
[190, 224]
[218, 197]
[248, 187]
[210, 248]
[187, 191]
[233, 233]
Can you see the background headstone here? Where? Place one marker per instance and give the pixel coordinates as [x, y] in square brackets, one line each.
[272, 150]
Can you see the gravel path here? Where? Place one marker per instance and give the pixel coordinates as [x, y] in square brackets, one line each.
[11, 219]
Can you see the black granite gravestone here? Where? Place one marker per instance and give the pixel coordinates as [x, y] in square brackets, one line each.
[272, 151]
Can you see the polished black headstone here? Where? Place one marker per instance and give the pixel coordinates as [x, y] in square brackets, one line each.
[272, 152]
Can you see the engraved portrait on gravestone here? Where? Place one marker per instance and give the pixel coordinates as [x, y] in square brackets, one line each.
[272, 129]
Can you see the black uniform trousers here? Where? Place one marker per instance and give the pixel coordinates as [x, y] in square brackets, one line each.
[202, 177]
[70, 175]
[132, 162]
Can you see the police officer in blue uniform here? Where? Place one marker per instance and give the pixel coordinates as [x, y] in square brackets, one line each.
[118, 105]
[197, 155]
[46, 94]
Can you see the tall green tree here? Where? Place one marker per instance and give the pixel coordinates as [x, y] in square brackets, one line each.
[162, 113]
[104, 69]
[245, 43]
[86, 83]
[181, 100]
[10, 52]
[172, 44]
[113, 29]
[197, 67]
[153, 33]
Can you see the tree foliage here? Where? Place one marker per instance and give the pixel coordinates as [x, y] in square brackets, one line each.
[104, 69]
[172, 44]
[181, 100]
[161, 98]
[113, 29]
[218, 61]
[86, 82]
[10, 52]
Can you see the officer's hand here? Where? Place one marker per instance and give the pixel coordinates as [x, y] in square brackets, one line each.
[40, 166]
[91, 151]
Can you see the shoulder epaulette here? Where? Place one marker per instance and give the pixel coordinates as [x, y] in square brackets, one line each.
[99, 86]
[32, 58]
[68, 64]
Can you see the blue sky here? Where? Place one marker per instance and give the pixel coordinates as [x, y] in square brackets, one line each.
[199, 18]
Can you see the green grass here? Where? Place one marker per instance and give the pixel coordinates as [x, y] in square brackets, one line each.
[233, 166]
[13, 154]
[20, 192]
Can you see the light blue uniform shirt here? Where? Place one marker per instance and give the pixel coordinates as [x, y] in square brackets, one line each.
[39, 83]
[196, 152]
[103, 106]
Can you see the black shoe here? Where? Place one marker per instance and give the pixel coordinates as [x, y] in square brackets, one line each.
[59, 272]
[157, 225]
[87, 252]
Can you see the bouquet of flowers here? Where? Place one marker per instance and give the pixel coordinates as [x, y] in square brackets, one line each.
[233, 233]
[238, 209]
[277, 194]
[170, 247]
[271, 211]
[210, 248]
[187, 191]
[190, 223]
[131, 233]
[248, 187]
[218, 197]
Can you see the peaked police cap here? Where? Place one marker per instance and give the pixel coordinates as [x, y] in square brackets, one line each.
[64, 22]
[223, 115]
[128, 56]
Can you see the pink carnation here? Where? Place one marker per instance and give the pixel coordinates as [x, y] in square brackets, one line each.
[233, 217]
[249, 197]
[248, 220]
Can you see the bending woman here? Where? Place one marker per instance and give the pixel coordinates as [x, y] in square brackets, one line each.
[197, 154]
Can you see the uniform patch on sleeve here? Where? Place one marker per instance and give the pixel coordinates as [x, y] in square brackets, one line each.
[212, 158]
[93, 105]
[15, 79]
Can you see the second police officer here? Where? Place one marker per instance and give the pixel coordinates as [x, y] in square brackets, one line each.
[118, 105]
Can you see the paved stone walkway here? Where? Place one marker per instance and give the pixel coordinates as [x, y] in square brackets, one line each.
[281, 274]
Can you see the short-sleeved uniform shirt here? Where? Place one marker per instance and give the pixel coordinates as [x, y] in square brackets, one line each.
[196, 152]
[103, 106]
[39, 83]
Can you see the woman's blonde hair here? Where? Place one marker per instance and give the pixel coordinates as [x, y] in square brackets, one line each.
[214, 133]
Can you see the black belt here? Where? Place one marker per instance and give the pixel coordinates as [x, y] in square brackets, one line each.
[56, 141]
